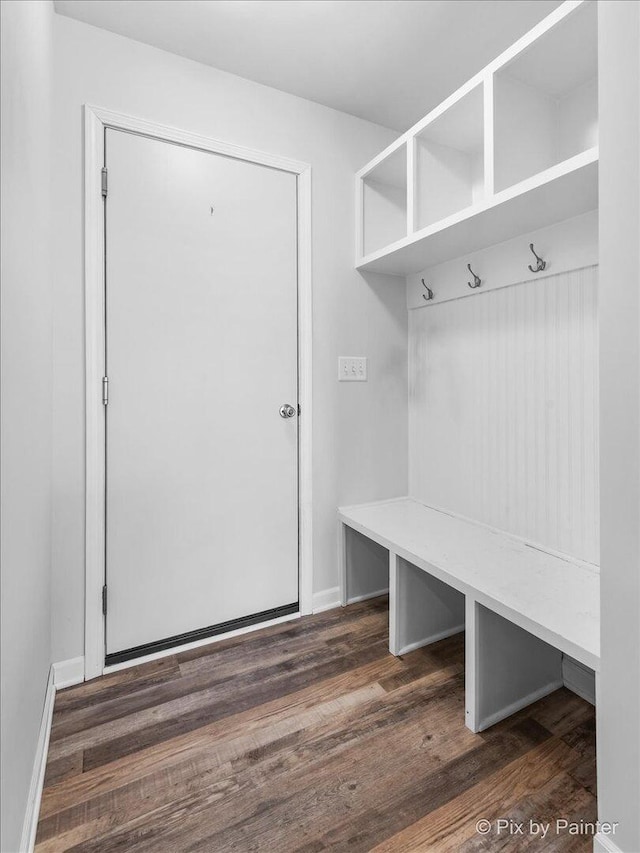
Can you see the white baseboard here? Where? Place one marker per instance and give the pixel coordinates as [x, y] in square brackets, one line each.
[429, 641]
[66, 673]
[503, 713]
[354, 599]
[32, 812]
[603, 844]
[579, 678]
[326, 599]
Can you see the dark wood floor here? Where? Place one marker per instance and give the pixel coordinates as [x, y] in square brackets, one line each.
[308, 736]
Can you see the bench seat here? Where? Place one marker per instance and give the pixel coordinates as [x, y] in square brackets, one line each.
[446, 571]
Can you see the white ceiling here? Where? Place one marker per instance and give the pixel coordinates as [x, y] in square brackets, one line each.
[388, 61]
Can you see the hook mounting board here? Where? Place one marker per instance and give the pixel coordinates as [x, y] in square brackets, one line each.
[568, 245]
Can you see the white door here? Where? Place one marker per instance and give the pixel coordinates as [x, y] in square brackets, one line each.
[201, 353]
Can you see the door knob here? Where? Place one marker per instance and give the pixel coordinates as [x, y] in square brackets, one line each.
[287, 411]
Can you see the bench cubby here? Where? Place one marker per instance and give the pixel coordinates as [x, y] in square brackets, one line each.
[507, 668]
[424, 610]
[522, 607]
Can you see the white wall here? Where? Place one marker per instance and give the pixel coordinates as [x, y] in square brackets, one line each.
[26, 397]
[448, 181]
[619, 683]
[523, 147]
[578, 120]
[503, 409]
[562, 128]
[384, 214]
[359, 429]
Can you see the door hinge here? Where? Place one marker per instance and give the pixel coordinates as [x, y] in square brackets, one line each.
[104, 181]
[299, 410]
[105, 390]
[104, 600]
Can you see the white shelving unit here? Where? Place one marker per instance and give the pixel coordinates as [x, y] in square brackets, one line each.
[513, 150]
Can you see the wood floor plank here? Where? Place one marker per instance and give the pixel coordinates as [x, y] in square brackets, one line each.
[560, 797]
[313, 801]
[306, 736]
[228, 674]
[454, 823]
[204, 701]
[426, 789]
[258, 761]
[205, 689]
[59, 769]
[198, 709]
[291, 777]
[115, 684]
[201, 767]
[561, 712]
[311, 697]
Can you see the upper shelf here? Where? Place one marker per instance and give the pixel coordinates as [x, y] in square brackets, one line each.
[511, 151]
[566, 190]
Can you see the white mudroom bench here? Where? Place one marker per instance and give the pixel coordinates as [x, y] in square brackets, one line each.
[522, 607]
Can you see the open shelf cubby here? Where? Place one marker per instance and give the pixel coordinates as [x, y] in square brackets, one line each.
[546, 100]
[449, 161]
[384, 202]
[513, 150]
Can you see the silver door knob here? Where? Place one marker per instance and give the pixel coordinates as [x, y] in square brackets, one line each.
[287, 411]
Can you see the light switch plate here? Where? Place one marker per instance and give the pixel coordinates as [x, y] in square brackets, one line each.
[352, 368]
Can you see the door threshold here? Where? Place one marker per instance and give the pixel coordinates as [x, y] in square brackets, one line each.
[138, 656]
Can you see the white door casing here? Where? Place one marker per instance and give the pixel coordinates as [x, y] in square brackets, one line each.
[97, 121]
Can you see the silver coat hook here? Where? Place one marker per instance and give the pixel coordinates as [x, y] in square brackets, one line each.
[477, 281]
[429, 294]
[540, 264]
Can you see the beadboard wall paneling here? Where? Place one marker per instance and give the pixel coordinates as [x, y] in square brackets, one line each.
[503, 410]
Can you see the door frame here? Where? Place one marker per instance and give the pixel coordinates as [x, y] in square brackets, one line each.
[96, 121]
